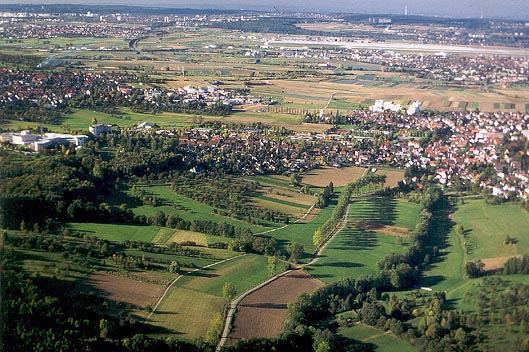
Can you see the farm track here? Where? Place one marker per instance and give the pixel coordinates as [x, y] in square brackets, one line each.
[233, 305]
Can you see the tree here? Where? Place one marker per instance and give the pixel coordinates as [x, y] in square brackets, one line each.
[474, 268]
[215, 329]
[318, 237]
[272, 266]
[104, 327]
[295, 179]
[229, 291]
[174, 267]
[296, 251]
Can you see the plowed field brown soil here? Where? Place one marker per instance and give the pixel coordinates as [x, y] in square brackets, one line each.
[121, 289]
[494, 264]
[262, 313]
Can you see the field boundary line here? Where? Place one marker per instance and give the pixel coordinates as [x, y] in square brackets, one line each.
[184, 274]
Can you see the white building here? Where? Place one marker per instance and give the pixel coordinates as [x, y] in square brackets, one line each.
[414, 108]
[98, 129]
[381, 106]
[39, 143]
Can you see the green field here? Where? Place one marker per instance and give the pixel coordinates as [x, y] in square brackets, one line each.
[116, 232]
[185, 313]
[355, 251]
[51, 264]
[302, 232]
[185, 207]
[486, 227]
[383, 341]
[243, 272]
[81, 119]
[190, 305]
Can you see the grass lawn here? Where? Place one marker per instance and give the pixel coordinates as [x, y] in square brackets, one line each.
[407, 214]
[383, 340]
[447, 273]
[486, 227]
[116, 232]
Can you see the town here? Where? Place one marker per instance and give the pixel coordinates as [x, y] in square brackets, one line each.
[266, 179]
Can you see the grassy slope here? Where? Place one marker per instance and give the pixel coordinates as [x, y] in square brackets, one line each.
[116, 232]
[355, 252]
[243, 273]
[193, 301]
[302, 232]
[488, 225]
[383, 341]
[186, 208]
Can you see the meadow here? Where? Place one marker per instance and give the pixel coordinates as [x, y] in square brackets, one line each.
[487, 226]
[177, 204]
[116, 232]
[382, 341]
[195, 298]
[356, 249]
[275, 193]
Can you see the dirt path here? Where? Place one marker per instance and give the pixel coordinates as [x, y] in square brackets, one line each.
[329, 102]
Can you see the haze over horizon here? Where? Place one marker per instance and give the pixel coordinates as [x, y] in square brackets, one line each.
[508, 9]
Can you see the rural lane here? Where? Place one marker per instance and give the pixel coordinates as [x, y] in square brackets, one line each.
[233, 305]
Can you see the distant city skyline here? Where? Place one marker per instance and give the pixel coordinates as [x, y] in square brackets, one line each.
[513, 9]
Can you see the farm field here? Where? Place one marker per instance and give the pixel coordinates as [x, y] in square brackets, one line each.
[354, 92]
[195, 298]
[376, 227]
[487, 226]
[262, 313]
[302, 231]
[116, 232]
[185, 313]
[184, 207]
[339, 176]
[383, 341]
[139, 294]
[393, 176]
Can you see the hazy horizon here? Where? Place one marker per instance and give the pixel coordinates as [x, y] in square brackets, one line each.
[513, 9]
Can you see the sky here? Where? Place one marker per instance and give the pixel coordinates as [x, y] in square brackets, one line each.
[513, 9]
